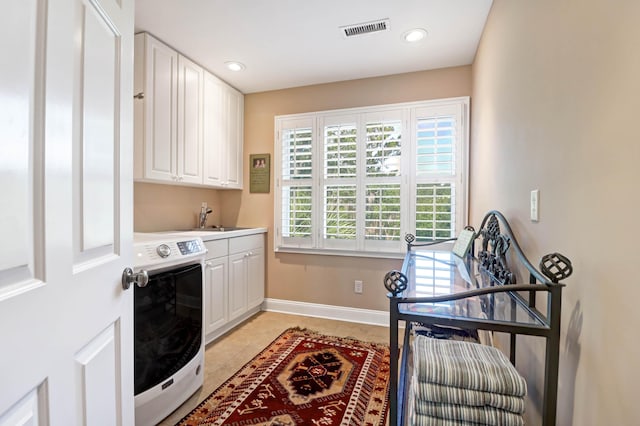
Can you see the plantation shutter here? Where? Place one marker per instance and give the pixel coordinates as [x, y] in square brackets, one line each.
[356, 181]
[339, 182]
[296, 183]
[436, 172]
[382, 180]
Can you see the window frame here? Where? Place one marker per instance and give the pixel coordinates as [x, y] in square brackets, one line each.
[409, 113]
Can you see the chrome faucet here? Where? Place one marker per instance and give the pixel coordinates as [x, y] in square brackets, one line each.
[204, 211]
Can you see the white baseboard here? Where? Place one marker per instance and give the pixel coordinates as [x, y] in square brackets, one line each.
[341, 313]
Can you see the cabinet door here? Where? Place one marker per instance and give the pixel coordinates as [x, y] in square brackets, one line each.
[235, 129]
[190, 89]
[255, 277]
[214, 145]
[237, 285]
[160, 120]
[215, 303]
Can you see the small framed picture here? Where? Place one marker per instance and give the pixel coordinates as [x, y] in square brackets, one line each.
[260, 172]
[461, 247]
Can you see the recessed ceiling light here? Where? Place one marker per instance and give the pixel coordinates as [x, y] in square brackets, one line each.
[235, 66]
[414, 35]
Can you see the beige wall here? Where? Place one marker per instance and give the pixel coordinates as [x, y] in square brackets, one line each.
[326, 279]
[556, 107]
[167, 207]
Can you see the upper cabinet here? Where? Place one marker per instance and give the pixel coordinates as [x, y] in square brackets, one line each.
[190, 120]
[223, 133]
[188, 123]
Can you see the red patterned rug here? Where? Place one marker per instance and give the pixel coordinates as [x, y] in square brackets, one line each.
[303, 378]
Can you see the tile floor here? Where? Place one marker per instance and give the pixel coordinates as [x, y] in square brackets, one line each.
[226, 355]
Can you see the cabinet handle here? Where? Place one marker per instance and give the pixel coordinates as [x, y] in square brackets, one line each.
[139, 95]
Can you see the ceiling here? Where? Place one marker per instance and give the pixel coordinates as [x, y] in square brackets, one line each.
[290, 43]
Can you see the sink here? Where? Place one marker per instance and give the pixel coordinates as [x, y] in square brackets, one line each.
[216, 229]
[222, 229]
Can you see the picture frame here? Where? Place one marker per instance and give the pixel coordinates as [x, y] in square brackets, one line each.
[463, 243]
[259, 173]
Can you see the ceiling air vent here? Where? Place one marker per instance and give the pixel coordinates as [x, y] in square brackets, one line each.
[365, 28]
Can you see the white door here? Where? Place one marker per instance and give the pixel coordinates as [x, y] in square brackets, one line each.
[66, 335]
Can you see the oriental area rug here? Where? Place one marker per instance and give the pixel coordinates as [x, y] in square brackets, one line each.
[303, 378]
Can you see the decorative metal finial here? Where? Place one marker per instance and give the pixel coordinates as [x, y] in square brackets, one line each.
[395, 281]
[556, 267]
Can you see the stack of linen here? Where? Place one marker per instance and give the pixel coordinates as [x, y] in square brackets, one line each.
[460, 383]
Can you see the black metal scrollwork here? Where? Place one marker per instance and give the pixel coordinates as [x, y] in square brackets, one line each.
[395, 281]
[409, 238]
[556, 267]
[493, 255]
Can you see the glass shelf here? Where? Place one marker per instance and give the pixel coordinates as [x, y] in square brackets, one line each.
[441, 273]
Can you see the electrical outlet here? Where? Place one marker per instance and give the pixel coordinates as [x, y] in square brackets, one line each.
[535, 205]
[357, 286]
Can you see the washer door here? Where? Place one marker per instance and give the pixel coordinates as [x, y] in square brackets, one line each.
[168, 324]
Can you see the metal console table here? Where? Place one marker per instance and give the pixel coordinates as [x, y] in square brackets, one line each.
[476, 292]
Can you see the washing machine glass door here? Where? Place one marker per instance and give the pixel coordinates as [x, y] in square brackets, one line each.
[167, 324]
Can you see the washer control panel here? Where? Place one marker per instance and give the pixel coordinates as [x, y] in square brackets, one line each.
[190, 246]
[160, 250]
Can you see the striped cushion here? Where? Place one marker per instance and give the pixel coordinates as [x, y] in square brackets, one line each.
[453, 395]
[466, 365]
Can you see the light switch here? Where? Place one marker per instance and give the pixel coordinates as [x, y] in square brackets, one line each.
[535, 205]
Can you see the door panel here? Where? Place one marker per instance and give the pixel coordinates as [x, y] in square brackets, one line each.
[21, 105]
[98, 138]
[66, 126]
[97, 365]
[25, 412]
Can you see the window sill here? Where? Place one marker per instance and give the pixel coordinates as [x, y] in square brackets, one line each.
[343, 253]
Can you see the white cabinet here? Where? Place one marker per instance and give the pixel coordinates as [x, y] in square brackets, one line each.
[223, 133]
[255, 277]
[246, 273]
[168, 114]
[216, 286]
[188, 123]
[237, 285]
[234, 282]
[155, 113]
[189, 141]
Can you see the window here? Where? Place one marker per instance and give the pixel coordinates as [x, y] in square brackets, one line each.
[356, 181]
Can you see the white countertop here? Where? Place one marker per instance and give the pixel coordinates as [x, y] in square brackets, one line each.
[211, 234]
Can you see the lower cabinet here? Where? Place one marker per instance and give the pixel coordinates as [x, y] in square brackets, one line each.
[216, 294]
[234, 284]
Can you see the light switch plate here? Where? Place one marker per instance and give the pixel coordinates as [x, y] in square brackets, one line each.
[535, 205]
